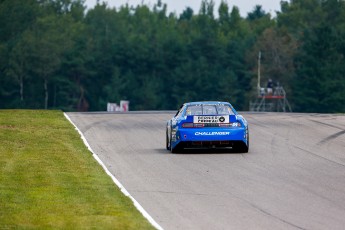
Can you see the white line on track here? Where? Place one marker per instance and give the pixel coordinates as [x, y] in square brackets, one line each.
[116, 181]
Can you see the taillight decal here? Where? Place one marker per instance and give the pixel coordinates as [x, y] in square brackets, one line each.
[187, 125]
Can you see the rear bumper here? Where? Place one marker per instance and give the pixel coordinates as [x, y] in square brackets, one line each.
[209, 144]
[213, 137]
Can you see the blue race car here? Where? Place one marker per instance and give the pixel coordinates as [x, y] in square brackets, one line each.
[207, 125]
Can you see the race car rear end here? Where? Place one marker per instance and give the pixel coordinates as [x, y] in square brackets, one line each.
[208, 131]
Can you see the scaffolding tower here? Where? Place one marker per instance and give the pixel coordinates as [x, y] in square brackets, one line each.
[271, 102]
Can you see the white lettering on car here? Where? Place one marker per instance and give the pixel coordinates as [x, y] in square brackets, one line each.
[212, 133]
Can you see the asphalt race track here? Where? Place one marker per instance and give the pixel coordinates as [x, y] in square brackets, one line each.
[292, 178]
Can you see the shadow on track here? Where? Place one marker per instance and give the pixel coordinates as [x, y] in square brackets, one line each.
[200, 151]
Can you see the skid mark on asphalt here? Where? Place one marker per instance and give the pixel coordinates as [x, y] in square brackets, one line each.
[88, 127]
[261, 210]
[232, 195]
[324, 158]
[256, 122]
[273, 144]
[273, 216]
[327, 139]
[323, 123]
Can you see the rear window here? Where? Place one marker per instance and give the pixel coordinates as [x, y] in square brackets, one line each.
[219, 109]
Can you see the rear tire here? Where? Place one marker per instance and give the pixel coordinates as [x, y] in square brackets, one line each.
[167, 142]
[242, 148]
[175, 150]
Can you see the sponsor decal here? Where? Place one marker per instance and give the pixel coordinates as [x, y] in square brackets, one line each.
[211, 119]
[212, 133]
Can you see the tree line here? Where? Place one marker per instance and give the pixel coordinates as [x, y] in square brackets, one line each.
[57, 54]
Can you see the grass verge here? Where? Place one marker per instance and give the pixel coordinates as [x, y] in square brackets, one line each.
[48, 178]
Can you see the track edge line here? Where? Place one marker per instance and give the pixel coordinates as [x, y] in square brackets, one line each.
[115, 180]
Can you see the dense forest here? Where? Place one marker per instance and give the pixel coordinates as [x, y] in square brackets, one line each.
[57, 54]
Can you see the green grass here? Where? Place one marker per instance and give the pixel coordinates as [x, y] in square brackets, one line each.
[48, 178]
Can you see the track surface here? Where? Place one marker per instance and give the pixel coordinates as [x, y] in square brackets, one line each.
[292, 178]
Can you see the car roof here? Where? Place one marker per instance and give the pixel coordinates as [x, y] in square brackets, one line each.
[206, 102]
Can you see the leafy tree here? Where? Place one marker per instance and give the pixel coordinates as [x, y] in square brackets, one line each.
[187, 14]
[278, 49]
[298, 15]
[257, 13]
[45, 58]
[16, 18]
[259, 20]
[207, 8]
[74, 69]
[320, 82]
[18, 63]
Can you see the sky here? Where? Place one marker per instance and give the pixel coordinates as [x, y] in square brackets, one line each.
[177, 6]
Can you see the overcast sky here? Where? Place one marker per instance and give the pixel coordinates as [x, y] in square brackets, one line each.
[178, 6]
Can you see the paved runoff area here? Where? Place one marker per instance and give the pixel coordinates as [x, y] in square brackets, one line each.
[292, 178]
